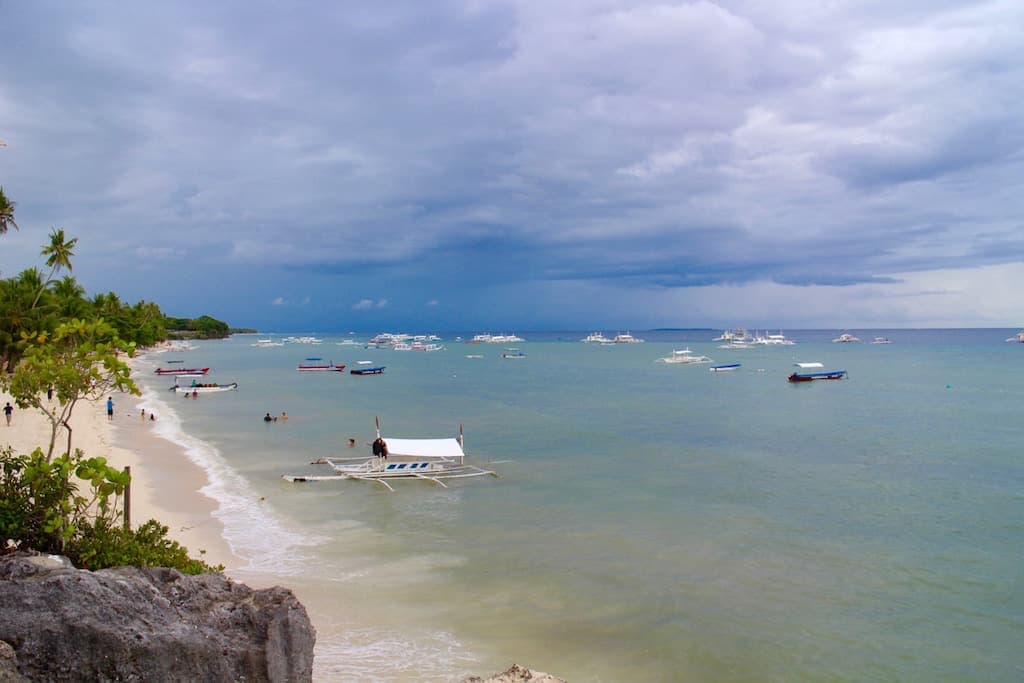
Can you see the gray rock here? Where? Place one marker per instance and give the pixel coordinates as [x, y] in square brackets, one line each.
[153, 624]
[516, 674]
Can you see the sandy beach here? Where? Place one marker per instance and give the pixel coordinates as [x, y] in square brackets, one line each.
[165, 484]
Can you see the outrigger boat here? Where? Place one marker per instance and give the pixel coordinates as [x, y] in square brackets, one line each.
[204, 388]
[728, 367]
[197, 372]
[318, 367]
[429, 459]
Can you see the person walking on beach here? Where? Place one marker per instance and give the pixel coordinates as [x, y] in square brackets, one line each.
[110, 408]
[8, 409]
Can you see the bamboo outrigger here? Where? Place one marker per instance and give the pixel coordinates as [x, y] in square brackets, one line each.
[432, 460]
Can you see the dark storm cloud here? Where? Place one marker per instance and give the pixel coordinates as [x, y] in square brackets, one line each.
[334, 153]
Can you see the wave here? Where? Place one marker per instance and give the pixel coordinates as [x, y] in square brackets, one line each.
[254, 533]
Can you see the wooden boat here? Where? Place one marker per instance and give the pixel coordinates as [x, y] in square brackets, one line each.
[434, 460]
[182, 371]
[811, 376]
[684, 356]
[513, 354]
[368, 371]
[729, 367]
[204, 388]
[319, 367]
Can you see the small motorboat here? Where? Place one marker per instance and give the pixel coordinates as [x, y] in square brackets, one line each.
[204, 388]
[368, 371]
[182, 371]
[728, 367]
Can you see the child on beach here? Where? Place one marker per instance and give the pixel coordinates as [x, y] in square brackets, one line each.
[8, 409]
[110, 408]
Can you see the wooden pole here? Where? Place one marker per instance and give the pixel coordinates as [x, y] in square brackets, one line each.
[128, 499]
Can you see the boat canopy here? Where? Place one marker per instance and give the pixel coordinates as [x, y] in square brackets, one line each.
[809, 365]
[425, 448]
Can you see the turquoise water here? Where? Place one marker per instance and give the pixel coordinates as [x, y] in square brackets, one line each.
[653, 522]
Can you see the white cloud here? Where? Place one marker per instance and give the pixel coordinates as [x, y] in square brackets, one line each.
[368, 304]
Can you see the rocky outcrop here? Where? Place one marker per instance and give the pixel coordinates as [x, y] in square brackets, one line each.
[152, 624]
[516, 674]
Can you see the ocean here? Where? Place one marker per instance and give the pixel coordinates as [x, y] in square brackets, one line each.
[650, 521]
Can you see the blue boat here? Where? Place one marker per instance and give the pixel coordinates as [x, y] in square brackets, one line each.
[368, 371]
[724, 368]
[811, 376]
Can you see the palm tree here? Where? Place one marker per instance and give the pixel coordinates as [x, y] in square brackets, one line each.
[58, 255]
[6, 213]
[69, 297]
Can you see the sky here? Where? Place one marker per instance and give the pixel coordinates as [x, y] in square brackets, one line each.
[495, 166]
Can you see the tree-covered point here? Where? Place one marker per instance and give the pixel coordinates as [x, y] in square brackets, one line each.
[203, 327]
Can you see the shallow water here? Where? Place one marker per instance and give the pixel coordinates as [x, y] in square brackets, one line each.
[654, 522]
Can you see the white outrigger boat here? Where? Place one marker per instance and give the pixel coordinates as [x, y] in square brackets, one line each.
[429, 459]
[204, 388]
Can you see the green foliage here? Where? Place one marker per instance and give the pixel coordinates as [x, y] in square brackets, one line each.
[52, 337]
[6, 213]
[37, 499]
[102, 545]
[203, 327]
[80, 359]
[41, 509]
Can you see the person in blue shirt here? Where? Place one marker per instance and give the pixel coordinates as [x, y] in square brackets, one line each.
[110, 408]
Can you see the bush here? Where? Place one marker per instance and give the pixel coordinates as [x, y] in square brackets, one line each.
[41, 509]
[101, 545]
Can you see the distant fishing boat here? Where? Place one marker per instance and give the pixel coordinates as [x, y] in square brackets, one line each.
[728, 367]
[182, 371]
[319, 367]
[204, 388]
[368, 371]
[812, 376]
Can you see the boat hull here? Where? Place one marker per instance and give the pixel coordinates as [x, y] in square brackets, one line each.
[367, 371]
[205, 388]
[724, 368]
[812, 376]
[182, 371]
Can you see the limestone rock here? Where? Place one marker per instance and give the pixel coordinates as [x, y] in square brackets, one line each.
[517, 674]
[135, 624]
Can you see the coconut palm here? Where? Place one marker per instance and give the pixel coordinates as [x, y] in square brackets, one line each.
[6, 213]
[58, 255]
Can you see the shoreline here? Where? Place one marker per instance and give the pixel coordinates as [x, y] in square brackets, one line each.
[166, 485]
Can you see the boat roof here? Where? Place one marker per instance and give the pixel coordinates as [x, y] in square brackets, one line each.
[425, 448]
[809, 365]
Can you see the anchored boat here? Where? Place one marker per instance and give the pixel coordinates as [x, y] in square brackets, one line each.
[196, 372]
[319, 367]
[433, 460]
[204, 388]
[811, 376]
[368, 371]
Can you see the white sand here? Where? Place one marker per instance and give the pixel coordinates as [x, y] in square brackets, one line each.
[165, 484]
